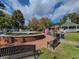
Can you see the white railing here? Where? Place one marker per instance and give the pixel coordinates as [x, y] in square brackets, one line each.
[71, 30]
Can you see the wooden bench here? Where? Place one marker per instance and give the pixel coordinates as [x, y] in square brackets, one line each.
[54, 43]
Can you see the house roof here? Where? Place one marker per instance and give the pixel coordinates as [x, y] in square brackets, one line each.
[69, 23]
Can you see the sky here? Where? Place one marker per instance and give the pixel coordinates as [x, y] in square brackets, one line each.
[53, 9]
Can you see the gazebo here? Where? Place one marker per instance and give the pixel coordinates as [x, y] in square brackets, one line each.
[69, 26]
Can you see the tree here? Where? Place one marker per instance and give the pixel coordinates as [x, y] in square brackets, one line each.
[63, 20]
[40, 24]
[45, 22]
[2, 13]
[33, 24]
[5, 21]
[74, 17]
[18, 19]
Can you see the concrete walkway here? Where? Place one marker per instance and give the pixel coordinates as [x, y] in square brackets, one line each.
[75, 43]
[31, 57]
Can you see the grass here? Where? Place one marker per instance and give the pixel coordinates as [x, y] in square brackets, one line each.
[67, 52]
[72, 36]
[62, 52]
[45, 54]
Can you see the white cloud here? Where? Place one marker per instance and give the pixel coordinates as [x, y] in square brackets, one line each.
[68, 7]
[40, 8]
[37, 7]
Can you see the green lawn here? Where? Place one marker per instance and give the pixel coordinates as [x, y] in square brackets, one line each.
[62, 52]
[72, 36]
[45, 54]
[67, 52]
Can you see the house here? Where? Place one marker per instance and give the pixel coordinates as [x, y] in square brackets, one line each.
[69, 26]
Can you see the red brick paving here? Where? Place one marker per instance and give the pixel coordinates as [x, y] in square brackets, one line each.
[42, 43]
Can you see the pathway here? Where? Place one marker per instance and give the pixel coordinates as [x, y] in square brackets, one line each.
[76, 43]
[42, 43]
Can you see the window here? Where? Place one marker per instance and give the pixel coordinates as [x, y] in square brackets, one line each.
[72, 27]
[78, 27]
[65, 27]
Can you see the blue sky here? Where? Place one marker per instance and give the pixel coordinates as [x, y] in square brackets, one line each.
[54, 9]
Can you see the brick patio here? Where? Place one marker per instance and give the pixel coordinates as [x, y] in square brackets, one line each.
[42, 43]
